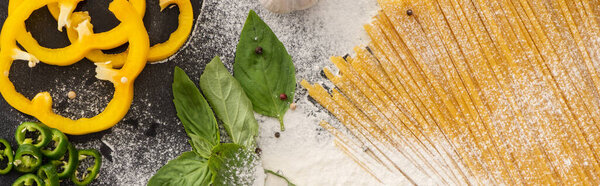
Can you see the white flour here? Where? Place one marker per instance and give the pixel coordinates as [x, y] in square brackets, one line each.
[306, 154]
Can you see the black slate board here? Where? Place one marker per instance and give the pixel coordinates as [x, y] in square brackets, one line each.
[148, 136]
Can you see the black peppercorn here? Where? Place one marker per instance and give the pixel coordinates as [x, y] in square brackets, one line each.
[258, 151]
[277, 134]
[258, 50]
[409, 12]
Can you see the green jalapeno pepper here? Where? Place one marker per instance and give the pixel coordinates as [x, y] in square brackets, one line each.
[67, 164]
[28, 158]
[6, 157]
[48, 174]
[28, 180]
[33, 133]
[90, 173]
[57, 146]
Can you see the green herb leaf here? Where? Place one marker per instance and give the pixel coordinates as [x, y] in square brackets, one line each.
[280, 176]
[232, 106]
[187, 169]
[195, 114]
[232, 164]
[265, 73]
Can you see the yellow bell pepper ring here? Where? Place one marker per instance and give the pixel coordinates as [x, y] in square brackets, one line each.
[41, 105]
[64, 10]
[78, 48]
[157, 52]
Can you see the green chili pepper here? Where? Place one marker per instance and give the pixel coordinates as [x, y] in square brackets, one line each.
[90, 173]
[28, 180]
[33, 133]
[57, 146]
[67, 164]
[6, 157]
[28, 158]
[48, 174]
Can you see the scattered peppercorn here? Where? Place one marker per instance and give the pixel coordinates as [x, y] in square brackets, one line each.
[277, 134]
[282, 96]
[258, 50]
[409, 12]
[293, 106]
[258, 151]
[71, 95]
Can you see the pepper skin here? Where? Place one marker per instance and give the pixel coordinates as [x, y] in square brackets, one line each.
[48, 174]
[159, 51]
[91, 172]
[41, 132]
[59, 142]
[28, 180]
[67, 164]
[28, 158]
[78, 49]
[41, 105]
[6, 153]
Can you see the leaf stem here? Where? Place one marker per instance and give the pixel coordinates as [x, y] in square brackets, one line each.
[281, 123]
[280, 176]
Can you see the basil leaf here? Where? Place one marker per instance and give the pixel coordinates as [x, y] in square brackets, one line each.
[267, 74]
[232, 106]
[232, 164]
[195, 114]
[187, 169]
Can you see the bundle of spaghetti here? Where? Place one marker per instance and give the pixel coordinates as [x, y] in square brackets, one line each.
[472, 92]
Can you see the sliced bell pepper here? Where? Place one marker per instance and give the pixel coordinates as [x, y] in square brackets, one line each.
[41, 105]
[89, 174]
[79, 48]
[47, 173]
[28, 158]
[57, 146]
[28, 180]
[32, 133]
[63, 10]
[67, 164]
[157, 52]
[6, 157]
[138, 5]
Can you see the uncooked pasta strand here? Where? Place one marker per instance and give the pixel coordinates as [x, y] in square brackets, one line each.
[534, 61]
[450, 97]
[412, 86]
[453, 60]
[572, 108]
[375, 71]
[550, 62]
[473, 92]
[356, 160]
[321, 95]
[371, 111]
[409, 123]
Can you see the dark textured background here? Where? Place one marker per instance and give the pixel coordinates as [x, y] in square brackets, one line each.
[149, 135]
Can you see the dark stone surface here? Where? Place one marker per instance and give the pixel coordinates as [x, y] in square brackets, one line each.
[148, 136]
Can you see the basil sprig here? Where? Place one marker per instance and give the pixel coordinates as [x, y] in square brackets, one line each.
[211, 163]
[267, 83]
[265, 69]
